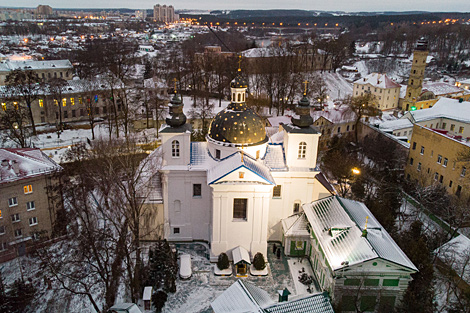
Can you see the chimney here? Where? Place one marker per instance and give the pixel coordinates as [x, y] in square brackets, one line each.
[15, 166]
[283, 295]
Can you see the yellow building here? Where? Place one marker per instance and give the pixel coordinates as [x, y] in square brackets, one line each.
[434, 159]
[385, 90]
[415, 81]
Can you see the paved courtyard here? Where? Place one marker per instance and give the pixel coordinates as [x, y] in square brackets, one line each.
[196, 294]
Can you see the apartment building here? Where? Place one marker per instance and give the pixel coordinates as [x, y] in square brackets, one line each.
[28, 203]
[435, 158]
[45, 70]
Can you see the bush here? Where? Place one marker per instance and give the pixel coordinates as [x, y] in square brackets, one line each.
[258, 261]
[158, 300]
[223, 262]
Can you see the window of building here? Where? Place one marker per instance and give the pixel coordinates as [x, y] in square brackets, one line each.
[414, 146]
[302, 150]
[217, 153]
[436, 176]
[296, 206]
[30, 206]
[463, 172]
[176, 230]
[175, 149]
[64, 102]
[28, 189]
[422, 150]
[277, 191]
[15, 217]
[347, 128]
[241, 175]
[419, 166]
[411, 161]
[239, 208]
[439, 159]
[33, 221]
[74, 114]
[2, 230]
[452, 127]
[339, 130]
[441, 179]
[197, 190]
[445, 162]
[458, 191]
[450, 184]
[444, 125]
[12, 201]
[66, 114]
[18, 232]
[461, 130]
[257, 154]
[72, 101]
[41, 103]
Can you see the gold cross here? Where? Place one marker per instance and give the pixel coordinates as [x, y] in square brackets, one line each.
[175, 80]
[306, 83]
[240, 63]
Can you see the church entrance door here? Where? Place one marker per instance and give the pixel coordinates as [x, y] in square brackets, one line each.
[241, 269]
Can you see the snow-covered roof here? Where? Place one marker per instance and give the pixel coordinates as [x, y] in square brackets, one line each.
[240, 254]
[147, 293]
[34, 65]
[236, 161]
[444, 108]
[276, 120]
[21, 163]
[338, 225]
[337, 115]
[241, 297]
[396, 124]
[275, 157]
[378, 80]
[315, 303]
[456, 254]
[295, 225]
[441, 88]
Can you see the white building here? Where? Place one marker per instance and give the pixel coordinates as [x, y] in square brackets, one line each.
[233, 189]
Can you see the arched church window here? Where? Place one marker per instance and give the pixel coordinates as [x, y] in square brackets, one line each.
[175, 149]
[302, 150]
[239, 97]
[243, 97]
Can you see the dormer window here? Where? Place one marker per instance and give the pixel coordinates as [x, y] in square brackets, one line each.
[302, 150]
[175, 149]
[217, 154]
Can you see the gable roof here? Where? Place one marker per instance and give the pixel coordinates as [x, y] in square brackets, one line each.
[21, 163]
[338, 223]
[295, 225]
[235, 162]
[240, 254]
[378, 80]
[243, 297]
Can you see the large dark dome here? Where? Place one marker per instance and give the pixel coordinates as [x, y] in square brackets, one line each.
[238, 124]
[239, 82]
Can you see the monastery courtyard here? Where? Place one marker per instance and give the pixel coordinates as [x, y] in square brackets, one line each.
[196, 294]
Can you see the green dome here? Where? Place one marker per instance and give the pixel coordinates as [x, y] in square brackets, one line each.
[239, 125]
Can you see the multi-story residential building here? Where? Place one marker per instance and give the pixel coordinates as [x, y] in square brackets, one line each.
[385, 91]
[45, 70]
[450, 115]
[80, 99]
[28, 203]
[164, 13]
[353, 257]
[415, 81]
[43, 10]
[435, 157]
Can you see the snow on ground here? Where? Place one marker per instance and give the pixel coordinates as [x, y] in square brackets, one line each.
[297, 267]
[188, 105]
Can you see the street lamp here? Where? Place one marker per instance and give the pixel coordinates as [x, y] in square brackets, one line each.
[356, 171]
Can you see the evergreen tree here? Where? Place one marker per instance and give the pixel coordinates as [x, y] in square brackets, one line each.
[223, 262]
[258, 261]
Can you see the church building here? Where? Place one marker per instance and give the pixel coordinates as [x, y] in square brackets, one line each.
[233, 189]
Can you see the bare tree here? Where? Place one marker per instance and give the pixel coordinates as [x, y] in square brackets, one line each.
[24, 86]
[13, 121]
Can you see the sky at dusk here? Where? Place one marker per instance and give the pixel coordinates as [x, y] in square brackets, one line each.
[331, 5]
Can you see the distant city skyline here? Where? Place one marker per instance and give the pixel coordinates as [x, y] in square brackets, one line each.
[348, 6]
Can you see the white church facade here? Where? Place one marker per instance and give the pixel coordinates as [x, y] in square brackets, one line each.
[235, 188]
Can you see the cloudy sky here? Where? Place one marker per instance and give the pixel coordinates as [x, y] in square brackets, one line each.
[329, 5]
